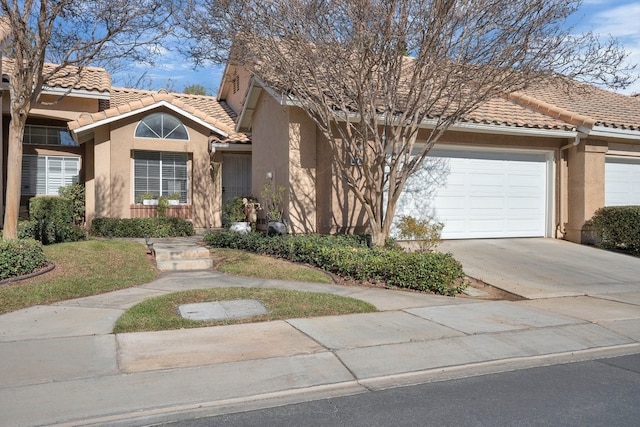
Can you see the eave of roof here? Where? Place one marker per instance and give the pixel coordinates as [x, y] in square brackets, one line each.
[205, 110]
[91, 82]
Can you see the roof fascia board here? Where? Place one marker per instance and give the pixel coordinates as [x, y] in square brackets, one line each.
[162, 103]
[222, 81]
[606, 132]
[489, 128]
[512, 130]
[226, 146]
[78, 93]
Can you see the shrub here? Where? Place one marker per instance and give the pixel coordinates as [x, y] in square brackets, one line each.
[350, 257]
[76, 194]
[51, 221]
[618, 227]
[426, 232]
[142, 227]
[19, 257]
[233, 210]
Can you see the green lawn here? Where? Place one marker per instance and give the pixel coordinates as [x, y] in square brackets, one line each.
[161, 313]
[243, 263]
[82, 269]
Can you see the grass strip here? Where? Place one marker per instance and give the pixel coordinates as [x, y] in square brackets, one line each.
[161, 313]
[241, 263]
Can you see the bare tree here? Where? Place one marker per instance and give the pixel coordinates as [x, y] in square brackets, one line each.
[72, 34]
[373, 74]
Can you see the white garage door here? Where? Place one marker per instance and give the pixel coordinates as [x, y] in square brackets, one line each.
[622, 182]
[479, 194]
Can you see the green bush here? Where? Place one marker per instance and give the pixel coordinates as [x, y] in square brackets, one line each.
[19, 257]
[76, 194]
[350, 257]
[425, 232]
[618, 227]
[51, 221]
[142, 227]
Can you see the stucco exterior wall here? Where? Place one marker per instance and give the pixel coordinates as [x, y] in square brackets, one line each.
[234, 93]
[270, 141]
[302, 172]
[112, 164]
[68, 108]
[586, 188]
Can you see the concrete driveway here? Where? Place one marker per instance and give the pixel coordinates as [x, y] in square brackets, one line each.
[549, 268]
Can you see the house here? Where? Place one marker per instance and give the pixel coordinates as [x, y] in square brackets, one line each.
[533, 164]
[537, 163]
[124, 143]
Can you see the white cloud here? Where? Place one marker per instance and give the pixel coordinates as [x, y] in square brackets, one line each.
[618, 19]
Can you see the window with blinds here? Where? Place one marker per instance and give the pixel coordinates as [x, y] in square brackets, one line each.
[44, 175]
[160, 173]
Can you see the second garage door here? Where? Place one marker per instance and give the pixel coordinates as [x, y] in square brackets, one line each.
[481, 194]
[622, 181]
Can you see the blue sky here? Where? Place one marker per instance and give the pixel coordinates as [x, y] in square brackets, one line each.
[618, 18]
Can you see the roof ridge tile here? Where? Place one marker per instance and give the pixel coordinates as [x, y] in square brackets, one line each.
[551, 110]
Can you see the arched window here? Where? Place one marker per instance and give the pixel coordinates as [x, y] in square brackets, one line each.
[161, 126]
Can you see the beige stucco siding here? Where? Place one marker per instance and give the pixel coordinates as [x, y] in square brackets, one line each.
[302, 172]
[270, 141]
[112, 165]
[586, 174]
[234, 87]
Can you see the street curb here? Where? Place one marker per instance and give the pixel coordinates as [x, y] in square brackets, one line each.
[301, 395]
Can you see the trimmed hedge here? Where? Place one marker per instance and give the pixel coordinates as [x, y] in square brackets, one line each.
[350, 257]
[50, 221]
[19, 257]
[141, 227]
[618, 227]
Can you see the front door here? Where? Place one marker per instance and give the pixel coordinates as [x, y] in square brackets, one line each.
[236, 176]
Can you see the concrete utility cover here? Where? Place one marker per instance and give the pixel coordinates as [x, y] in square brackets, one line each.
[220, 310]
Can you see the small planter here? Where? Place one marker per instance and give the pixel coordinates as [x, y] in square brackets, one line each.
[173, 202]
[240, 227]
[150, 202]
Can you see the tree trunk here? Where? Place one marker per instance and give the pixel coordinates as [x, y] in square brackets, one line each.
[14, 175]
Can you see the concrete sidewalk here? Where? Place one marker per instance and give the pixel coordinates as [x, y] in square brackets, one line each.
[63, 366]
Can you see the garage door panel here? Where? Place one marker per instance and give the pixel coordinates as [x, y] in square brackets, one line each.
[622, 182]
[485, 194]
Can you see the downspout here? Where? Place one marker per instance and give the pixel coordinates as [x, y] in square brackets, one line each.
[576, 141]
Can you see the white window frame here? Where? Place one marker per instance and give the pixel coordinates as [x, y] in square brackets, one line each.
[43, 177]
[159, 133]
[161, 191]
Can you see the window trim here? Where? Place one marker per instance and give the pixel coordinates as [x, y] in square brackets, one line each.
[47, 173]
[47, 128]
[166, 137]
[161, 154]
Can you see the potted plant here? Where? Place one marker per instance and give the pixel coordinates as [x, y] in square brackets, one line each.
[273, 205]
[174, 199]
[233, 214]
[148, 198]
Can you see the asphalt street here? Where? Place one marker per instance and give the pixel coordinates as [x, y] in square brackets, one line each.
[604, 392]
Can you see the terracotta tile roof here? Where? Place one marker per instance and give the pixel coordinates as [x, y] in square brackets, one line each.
[89, 78]
[501, 111]
[205, 108]
[583, 105]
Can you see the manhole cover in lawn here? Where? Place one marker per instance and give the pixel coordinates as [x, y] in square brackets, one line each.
[220, 310]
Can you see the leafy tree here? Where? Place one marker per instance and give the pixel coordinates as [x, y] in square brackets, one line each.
[376, 74]
[72, 34]
[195, 89]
